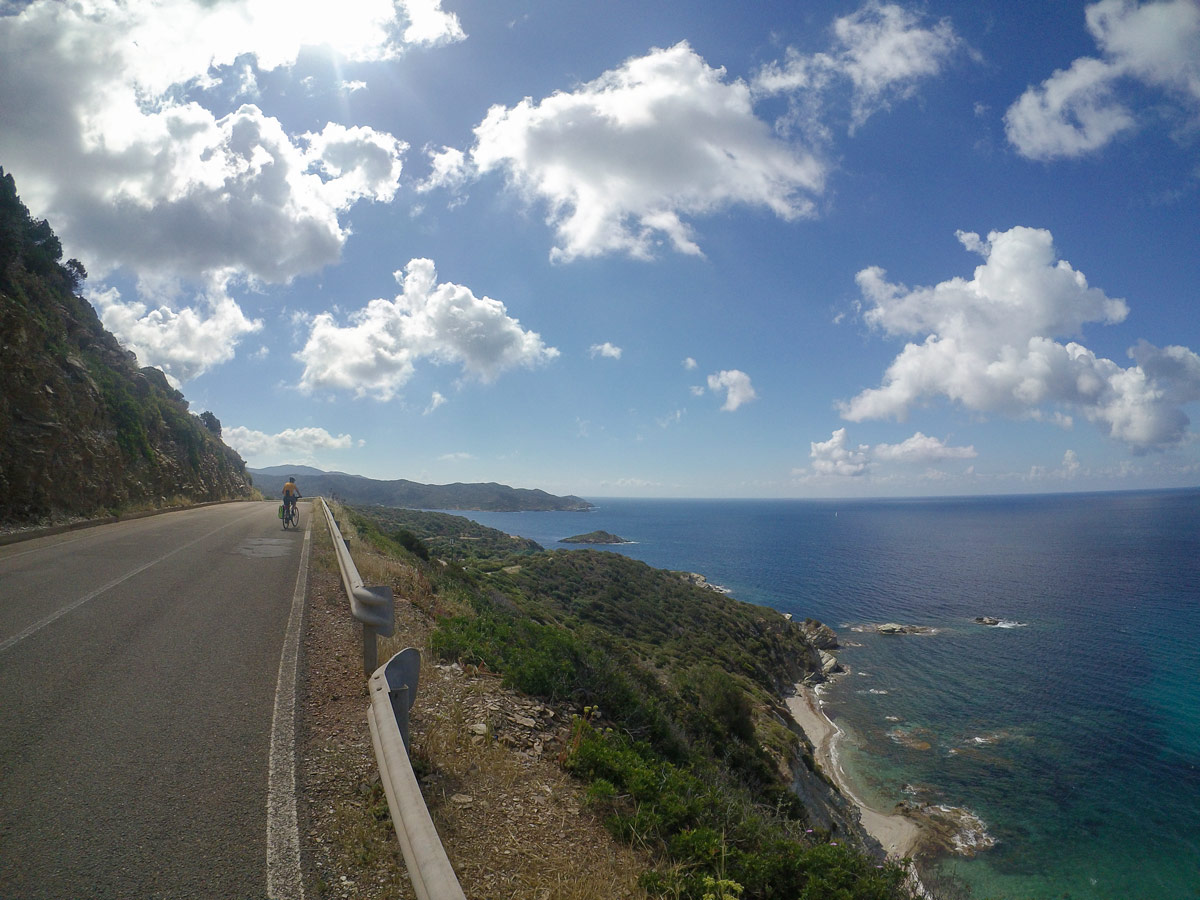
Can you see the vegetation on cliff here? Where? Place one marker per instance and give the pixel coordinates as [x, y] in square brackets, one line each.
[83, 430]
[681, 734]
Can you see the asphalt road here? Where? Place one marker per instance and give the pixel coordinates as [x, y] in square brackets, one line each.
[138, 672]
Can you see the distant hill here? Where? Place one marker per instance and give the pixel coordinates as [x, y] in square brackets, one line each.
[83, 430]
[360, 491]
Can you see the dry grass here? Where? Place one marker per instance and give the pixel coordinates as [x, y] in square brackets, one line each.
[513, 822]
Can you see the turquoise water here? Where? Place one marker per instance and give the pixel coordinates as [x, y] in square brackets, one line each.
[1074, 734]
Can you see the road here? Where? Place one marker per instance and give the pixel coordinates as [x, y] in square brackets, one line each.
[139, 665]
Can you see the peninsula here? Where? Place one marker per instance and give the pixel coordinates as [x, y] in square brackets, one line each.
[595, 537]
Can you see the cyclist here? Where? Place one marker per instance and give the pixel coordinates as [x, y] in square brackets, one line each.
[291, 494]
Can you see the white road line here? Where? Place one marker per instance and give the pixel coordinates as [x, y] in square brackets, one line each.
[10, 556]
[58, 614]
[284, 881]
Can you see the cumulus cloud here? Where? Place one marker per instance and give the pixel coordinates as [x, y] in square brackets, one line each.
[689, 364]
[989, 344]
[921, 449]
[377, 352]
[882, 51]
[428, 23]
[289, 445]
[1080, 109]
[837, 456]
[183, 343]
[622, 162]
[737, 387]
[607, 350]
[119, 127]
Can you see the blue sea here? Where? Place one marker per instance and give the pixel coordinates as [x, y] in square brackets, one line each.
[1072, 730]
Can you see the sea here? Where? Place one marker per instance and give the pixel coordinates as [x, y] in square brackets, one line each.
[1071, 729]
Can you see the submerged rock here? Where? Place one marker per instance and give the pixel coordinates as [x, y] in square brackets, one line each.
[948, 829]
[895, 628]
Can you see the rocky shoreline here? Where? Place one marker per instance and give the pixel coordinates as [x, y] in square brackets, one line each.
[914, 829]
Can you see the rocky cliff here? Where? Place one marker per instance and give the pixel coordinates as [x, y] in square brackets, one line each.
[83, 429]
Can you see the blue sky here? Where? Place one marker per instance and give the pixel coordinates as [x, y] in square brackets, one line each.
[615, 249]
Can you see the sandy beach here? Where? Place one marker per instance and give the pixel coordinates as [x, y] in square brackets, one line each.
[898, 835]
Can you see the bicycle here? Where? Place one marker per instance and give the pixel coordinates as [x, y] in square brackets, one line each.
[291, 516]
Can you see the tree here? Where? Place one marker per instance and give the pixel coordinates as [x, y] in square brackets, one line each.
[211, 422]
[75, 272]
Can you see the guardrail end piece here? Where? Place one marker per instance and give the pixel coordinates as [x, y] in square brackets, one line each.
[404, 669]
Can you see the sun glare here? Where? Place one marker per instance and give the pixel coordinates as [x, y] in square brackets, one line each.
[353, 29]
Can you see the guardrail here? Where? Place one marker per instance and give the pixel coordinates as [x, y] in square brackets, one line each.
[373, 606]
[393, 688]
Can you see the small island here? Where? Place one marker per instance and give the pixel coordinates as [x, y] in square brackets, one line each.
[595, 537]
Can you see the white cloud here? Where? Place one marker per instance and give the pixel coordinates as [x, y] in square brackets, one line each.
[883, 51]
[429, 24]
[737, 387]
[607, 350]
[922, 449]
[289, 445]
[689, 364]
[111, 138]
[450, 169]
[838, 457]
[184, 343]
[623, 161]
[455, 457]
[376, 354]
[1082, 108]
[697, 390]
[436, 400]
[1070, 464]
[989, 344]
[117, 127]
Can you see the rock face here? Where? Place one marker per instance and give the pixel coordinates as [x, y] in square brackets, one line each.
[819, 635]
[986, 620]
[82, 428]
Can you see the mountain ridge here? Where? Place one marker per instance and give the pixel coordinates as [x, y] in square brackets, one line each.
[360, 490]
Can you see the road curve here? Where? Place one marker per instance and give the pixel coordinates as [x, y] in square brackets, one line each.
[138, 672]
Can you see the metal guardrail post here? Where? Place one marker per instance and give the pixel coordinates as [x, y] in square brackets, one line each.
[375, 607]
[391, 685]
[403, 674]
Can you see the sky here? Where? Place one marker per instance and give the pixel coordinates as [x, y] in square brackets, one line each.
[651, 249]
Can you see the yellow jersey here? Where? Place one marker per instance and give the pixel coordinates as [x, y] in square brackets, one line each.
[290, 490]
